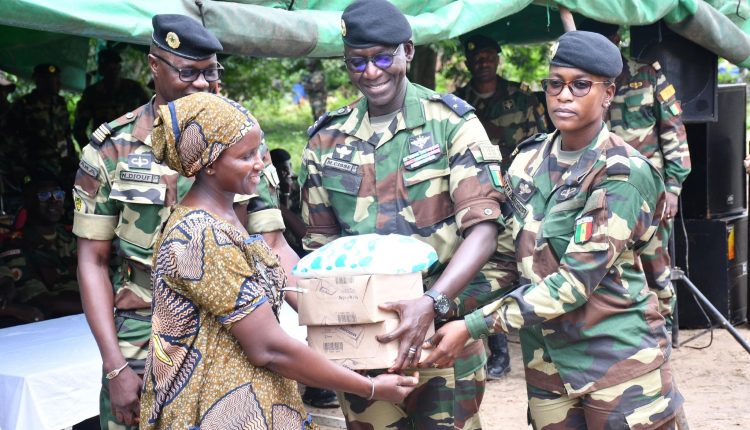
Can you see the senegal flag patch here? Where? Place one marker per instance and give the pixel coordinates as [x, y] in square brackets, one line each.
[496, 175]
[675, 108]
[584, 229]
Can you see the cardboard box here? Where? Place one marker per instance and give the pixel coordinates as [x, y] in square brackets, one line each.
[347, 300]
[355, 346]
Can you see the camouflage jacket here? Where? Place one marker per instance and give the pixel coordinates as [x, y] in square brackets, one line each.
[39, 132]
[429, 176]
[100, 104]
[588, 321]
[40, 264]
[121, 191]
[509, 116]
[646, 114]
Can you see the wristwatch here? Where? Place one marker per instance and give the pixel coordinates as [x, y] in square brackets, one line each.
[441, 303]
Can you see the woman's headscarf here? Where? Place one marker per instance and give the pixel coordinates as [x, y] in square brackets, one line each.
[190, 133]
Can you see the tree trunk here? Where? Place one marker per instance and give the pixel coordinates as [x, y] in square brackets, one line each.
[423, 67]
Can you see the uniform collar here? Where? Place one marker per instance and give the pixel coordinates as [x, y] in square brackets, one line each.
[145, 123]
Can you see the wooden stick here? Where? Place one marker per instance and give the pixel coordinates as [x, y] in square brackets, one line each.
[567, 19]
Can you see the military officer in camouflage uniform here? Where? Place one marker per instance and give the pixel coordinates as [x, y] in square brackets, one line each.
[508, 110]
[39, 128]
[509, 114]
[406, 160]
[646, 114]
[40, 257]
[595, 348]
[108, 98]
[121, 192]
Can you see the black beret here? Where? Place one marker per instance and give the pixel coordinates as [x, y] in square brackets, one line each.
[478, 42]
[606, 30]
[46, 69]
[184, 37]
[587, 51]
[367, 23]
[109, 56]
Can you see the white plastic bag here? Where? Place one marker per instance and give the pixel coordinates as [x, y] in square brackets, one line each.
[367, 254]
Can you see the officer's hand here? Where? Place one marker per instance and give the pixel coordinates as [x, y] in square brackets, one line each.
[124, 391]
[671, 211]
[416, 316]
[394, 388]
[447, 343]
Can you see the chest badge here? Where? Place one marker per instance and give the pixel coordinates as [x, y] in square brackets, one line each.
[140, 161]
[635, 85]
[567, 193]
[508, 105]
[418, 142]
[584, 229]
[343, 152]
[422, 150]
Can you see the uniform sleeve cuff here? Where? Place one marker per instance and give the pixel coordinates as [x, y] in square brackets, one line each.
[674, 189]
[94, 227]
[476, 325]
[265, 221]
[477, 211]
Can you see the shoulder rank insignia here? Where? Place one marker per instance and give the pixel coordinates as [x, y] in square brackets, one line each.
[101, 134]
[635, 85]
[537, 138]
[326, 118]
[667, 92]
[455, 104]
[617, 161]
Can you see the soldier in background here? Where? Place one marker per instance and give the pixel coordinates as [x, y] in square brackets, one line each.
[6, 88]
[315, 87]
[109, 98]
[40, 257]
[437, 179]
[509, 114]
[39, 128]
[508, 111]
[646, 114]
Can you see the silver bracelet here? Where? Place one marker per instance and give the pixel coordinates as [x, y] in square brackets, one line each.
[372, 392]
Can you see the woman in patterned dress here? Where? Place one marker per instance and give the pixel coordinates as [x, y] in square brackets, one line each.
[218, 358]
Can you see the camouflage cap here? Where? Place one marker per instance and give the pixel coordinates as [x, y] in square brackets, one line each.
[367, 23]
[478, 42]
[588, 51]
[184, 37]
[46, 69]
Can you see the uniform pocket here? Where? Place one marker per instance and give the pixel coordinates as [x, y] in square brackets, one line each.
[143, 211]
[428, 189]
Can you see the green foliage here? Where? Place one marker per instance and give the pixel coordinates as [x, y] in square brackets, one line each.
[526, 63]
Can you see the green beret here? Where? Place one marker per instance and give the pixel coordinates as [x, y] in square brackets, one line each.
[367, 23]
[184, 37]
[588, 51]
[478, 42]
[46, 69]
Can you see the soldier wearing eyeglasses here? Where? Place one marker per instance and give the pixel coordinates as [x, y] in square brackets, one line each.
[40, 257]
[585, 204]
[122, 193]
[646, 114]
[406, 160]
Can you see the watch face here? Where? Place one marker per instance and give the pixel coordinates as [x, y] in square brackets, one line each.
[442, 305]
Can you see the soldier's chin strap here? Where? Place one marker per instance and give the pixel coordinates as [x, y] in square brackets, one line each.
[199, 3]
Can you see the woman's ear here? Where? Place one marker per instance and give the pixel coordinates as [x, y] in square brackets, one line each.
[210, 170]
[609, 94]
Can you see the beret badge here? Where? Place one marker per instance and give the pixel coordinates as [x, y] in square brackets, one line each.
[471, 46]
[173, 40]
[343, 28]
[52, 69]
[553, 50]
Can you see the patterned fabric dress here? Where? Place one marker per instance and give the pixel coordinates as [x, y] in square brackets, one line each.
[207, 276]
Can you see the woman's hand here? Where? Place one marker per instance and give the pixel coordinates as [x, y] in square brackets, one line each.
[447, 343]
[394, 388]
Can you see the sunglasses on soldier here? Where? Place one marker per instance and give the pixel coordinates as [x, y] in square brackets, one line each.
[577, 87]
[211, 74]
[46, 195]
[381, 60]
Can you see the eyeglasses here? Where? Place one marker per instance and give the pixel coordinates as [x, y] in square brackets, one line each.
[46, 195]
[577, 87]
[211, 74]
[382, 60]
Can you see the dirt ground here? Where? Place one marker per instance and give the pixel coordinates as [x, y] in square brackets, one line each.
[715, 382]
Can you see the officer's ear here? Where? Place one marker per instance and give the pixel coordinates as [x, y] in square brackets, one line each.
[609, 94]
[153, 64]
[409, 50]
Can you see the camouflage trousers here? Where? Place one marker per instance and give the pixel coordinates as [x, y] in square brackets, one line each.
[440, 402]
[656, 263]
[647, 402]
[133, 336]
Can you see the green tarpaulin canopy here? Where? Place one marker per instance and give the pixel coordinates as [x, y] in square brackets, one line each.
[35, 31]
